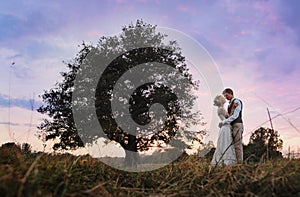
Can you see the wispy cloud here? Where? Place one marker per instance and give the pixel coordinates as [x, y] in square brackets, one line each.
[30, 104]
[10, 123]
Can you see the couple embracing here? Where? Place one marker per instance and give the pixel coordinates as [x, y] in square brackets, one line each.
[229, 148]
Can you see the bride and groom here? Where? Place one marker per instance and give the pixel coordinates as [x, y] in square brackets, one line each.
[229, 148]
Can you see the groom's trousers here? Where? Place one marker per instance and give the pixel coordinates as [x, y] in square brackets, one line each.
[237, 134]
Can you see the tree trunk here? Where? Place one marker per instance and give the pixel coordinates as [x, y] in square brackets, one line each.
[131, 153]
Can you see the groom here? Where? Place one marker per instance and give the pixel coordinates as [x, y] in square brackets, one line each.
[235, 120]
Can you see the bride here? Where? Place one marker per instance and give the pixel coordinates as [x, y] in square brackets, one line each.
[224, 153]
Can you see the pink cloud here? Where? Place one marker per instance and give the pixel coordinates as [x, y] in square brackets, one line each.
[188, 9]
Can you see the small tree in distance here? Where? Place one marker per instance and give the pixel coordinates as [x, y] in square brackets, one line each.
[264, 142]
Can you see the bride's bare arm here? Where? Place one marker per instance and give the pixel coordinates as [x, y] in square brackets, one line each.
[226, 114]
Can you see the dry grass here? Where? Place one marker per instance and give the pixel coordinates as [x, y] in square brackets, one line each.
[67, 175]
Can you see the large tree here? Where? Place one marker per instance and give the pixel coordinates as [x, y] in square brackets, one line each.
[58, 100]
[264, 142]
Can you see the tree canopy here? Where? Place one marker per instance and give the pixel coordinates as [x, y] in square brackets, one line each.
[59, 102]
[264, 142]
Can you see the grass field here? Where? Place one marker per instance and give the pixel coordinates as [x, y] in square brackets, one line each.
[40, 174]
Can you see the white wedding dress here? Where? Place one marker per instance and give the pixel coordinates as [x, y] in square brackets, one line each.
[224, 153]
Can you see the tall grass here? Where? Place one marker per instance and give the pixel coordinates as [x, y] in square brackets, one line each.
[40, 174]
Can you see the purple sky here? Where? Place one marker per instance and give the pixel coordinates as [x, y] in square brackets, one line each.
[256, 45]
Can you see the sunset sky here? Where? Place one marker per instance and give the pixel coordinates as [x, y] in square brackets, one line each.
[255, 44]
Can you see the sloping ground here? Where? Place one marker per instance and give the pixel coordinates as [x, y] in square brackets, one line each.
[66, 175]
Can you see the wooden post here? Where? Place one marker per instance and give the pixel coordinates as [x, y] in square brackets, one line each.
[270, 119]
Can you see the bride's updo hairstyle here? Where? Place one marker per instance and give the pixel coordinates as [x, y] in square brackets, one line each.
[217, 101]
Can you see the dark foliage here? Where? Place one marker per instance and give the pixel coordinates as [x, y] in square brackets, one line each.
[58, 100]
[264, 143]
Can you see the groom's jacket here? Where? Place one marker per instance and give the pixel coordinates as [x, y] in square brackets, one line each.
[231, 109]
